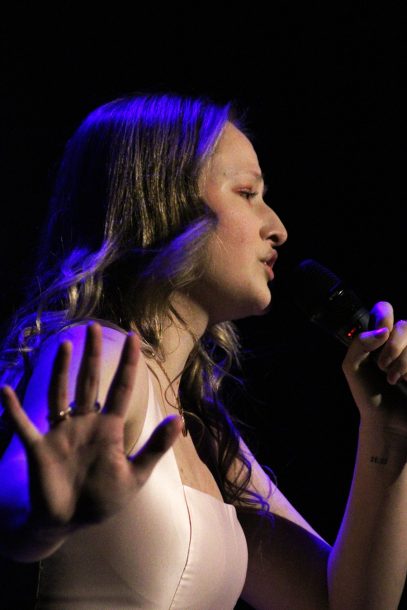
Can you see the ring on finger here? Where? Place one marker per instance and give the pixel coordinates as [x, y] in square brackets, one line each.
[96, 408]
[60, 416]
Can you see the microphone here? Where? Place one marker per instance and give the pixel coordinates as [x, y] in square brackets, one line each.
[332, 305]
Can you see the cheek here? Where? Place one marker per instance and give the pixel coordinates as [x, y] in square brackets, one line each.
[235, 231]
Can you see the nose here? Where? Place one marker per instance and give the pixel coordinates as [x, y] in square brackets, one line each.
[273, 229]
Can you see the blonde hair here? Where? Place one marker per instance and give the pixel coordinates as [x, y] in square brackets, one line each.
[127, 227]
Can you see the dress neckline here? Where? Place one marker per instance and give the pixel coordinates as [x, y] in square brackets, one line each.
[184, 485]
[204, 494]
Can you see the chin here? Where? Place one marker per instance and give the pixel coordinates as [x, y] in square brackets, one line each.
[264, 303]
[240, 305]
[257, 308]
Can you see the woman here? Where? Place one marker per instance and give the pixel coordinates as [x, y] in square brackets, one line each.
[139, 491]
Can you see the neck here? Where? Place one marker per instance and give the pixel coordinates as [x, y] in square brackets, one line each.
[179, 340]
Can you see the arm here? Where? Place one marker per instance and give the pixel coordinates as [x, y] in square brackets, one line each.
[287, 558]
[367, 568]
[289, 565]
[76, 472]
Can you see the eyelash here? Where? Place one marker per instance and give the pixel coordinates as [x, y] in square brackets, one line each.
[248, 194]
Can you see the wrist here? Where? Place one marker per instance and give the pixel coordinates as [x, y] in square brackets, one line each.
[382, 447]
[391, 436]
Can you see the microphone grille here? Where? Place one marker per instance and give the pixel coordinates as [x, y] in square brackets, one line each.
[312, 284]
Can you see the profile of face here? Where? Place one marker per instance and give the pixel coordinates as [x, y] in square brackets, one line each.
[241, 250]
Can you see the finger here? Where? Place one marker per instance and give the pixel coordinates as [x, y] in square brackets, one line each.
[398, 369]
[383, 315]
[394, 346]
[363, 345]
[24, 427]
[119, 393]
[87, 383]
[58, 387]
[393, 358]
[159, 442]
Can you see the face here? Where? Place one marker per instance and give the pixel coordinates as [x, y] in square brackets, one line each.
[242, 248]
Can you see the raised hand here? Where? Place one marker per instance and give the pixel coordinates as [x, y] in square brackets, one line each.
[381, 404]
[79, 471]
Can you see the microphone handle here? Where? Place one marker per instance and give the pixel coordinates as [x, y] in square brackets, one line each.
[347, 317]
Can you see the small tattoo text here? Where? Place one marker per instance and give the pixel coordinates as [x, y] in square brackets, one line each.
[378, 460]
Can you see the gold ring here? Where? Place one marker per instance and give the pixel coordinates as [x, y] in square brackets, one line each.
[60, 416]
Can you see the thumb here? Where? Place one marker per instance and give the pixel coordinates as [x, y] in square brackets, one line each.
[364, 344]
[164, 435]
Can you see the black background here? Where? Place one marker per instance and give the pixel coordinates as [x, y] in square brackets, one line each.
[326, 97]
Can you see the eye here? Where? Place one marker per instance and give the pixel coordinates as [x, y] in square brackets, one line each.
[248, 194]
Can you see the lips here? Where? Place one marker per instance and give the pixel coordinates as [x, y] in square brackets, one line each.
[268, 264]
[270, 261]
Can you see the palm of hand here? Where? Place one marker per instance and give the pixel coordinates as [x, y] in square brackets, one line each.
[79, 471]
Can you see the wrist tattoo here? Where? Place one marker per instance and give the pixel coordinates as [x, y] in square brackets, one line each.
[378, 460]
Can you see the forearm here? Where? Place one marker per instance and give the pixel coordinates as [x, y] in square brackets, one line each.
[368, 563]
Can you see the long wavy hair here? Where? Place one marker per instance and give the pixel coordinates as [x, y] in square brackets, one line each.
[127, 227]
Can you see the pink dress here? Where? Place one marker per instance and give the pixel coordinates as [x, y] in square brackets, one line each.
[172, 547]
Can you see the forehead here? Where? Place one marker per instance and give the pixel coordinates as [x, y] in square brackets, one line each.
[234, 155]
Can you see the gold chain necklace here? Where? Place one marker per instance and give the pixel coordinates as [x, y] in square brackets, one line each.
[177, 400]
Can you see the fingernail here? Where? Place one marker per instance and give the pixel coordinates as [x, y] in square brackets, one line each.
[393, 378]
[380, 331]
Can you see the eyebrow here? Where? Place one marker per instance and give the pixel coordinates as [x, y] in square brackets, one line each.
[258, 177]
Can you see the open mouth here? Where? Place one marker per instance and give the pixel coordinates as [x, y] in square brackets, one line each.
[269, 263]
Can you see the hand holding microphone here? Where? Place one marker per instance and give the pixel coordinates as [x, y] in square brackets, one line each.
[332, 305]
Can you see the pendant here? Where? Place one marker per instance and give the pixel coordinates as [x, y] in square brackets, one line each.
[184, 426]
